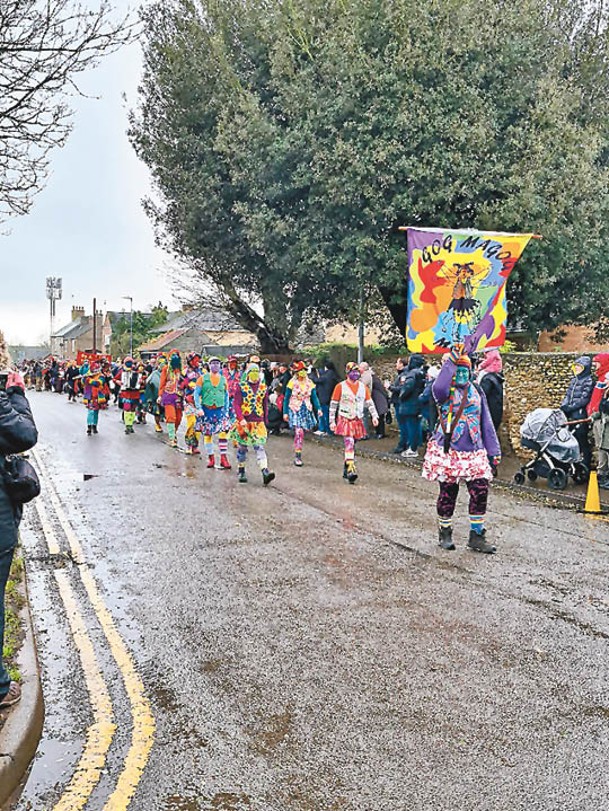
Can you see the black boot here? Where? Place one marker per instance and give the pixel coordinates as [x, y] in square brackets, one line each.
[345, 474]
[89, 430]
[351, 473]
[445, 538]
[267, 476]
[242, 477]
[94, 428]
[477, 542]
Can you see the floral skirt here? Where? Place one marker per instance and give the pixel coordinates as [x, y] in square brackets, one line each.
[302, 418]
[254, 433]
[455, 466]
[213, 421]
[353, 428]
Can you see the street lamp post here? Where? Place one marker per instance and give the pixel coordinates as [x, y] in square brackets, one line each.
[54, 291]
[130, 298]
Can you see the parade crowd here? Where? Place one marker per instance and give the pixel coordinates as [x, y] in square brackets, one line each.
[453, 412]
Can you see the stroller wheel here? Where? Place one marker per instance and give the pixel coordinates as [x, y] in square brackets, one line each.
[519, 477]
[581, 474]
[557, 479]
[531, 475]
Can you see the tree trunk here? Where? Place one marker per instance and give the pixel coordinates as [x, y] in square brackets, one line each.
[395, 305]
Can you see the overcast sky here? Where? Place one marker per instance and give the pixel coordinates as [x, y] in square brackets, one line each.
[87, 225]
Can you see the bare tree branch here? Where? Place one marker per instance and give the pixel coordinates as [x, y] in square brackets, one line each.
[44, 45]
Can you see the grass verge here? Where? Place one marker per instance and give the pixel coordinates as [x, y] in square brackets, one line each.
[13, 629]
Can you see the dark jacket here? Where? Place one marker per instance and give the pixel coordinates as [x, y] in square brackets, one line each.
[379, 396]
[428, 406]
[325, 381]
[412, 387]
[17, 433]
[492, 385]
[579, 392]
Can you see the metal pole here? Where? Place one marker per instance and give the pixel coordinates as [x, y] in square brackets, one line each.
[94, 326]
[131, 328]
[361, 329]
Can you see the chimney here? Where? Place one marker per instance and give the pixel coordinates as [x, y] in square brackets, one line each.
[77, 312]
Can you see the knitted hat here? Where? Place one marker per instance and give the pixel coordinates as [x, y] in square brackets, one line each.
[351, 365]
[464, 361]
[298, 366]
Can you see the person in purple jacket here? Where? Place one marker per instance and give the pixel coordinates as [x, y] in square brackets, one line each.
[464, 448]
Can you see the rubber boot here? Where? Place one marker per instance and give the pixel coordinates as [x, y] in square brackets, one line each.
[445, 538]
[345, 471]
[94, 427]
[267, 476]
[211, 460]
[478, 543]
[224, 463]
[298, 458]
[89, 430]
[242, 477]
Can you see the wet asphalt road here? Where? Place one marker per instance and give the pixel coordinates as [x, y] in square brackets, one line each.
[307, 647]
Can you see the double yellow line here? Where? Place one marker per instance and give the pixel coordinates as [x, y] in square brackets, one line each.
[101, 732]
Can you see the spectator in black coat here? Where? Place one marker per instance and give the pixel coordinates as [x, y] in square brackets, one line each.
[574, 405]
[17, 433]
[381, 401]
[490, 380]
[325, 379]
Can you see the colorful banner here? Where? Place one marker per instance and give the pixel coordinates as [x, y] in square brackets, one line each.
[456, 287]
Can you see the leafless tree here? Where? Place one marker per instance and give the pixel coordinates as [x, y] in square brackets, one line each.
[44, 45]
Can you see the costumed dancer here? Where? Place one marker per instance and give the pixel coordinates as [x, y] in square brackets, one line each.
[211, 401]
[189, 382]
[232, 374]
[349, 398]
[170, 396]
[130, 393]
[300, 405]
[250, 403]
[464, 448]
[141, 405]
[95, 396]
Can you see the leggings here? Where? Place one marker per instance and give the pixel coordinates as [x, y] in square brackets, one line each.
[298, 439]
[478, 497]
[349, 449]
[173, 415]
[192, 436]
[260, 456]
[208, 441]
[92, 417]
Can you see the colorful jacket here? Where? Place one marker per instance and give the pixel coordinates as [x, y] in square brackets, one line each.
[251, 401]
[299, 393]
[351, 403]
[474, 430]
[209, 395]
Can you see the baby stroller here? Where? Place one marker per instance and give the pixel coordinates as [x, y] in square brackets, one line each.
[557, 454]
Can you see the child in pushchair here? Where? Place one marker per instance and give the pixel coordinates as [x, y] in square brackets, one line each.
[557, 453]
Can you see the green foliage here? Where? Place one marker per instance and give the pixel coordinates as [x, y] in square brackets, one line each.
[13, 630]
[290, 141]
[143, 326]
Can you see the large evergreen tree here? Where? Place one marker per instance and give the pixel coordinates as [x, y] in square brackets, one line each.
[290, 141]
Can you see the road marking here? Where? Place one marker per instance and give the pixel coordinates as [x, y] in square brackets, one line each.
[101, 732]
[142, 736]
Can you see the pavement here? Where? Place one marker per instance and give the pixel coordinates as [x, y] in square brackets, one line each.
[306, 646]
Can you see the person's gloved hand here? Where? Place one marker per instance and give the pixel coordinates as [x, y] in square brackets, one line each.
[494, 462]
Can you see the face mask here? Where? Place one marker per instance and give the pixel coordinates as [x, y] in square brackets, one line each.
[128, 365]
[253, 377]
[214, 367]
[232, 365]
[175, 362]
[462, 376]
[302, 375]
[354, 375]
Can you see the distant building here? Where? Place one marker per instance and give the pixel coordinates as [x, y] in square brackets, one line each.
[205, 330]
[20, 353]
[77, 336]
